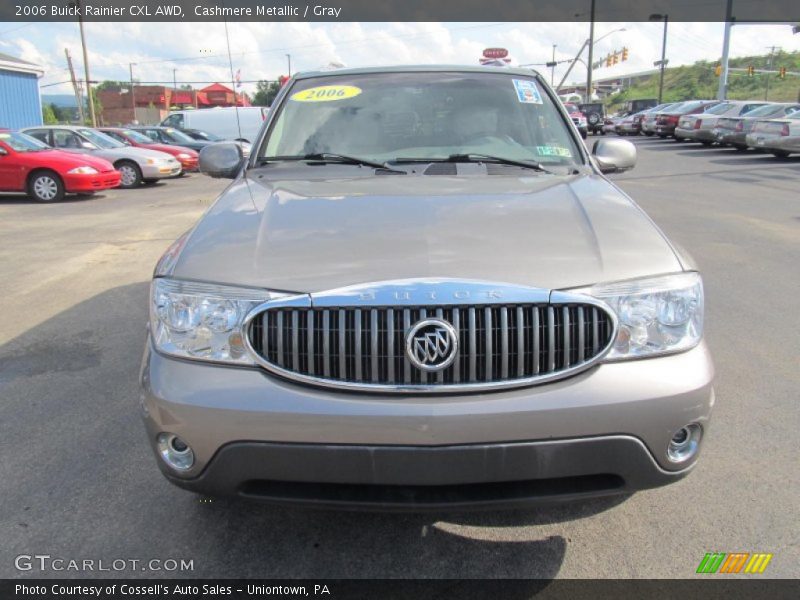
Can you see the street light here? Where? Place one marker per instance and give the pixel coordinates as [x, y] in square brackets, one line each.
[665, 18]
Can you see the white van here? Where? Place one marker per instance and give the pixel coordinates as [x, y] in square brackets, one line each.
[221, 121]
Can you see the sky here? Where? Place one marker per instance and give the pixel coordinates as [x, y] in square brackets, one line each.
[197, 52]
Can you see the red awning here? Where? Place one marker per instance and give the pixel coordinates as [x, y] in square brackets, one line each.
[182, 97]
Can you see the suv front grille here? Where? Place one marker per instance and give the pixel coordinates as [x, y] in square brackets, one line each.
[499, 345]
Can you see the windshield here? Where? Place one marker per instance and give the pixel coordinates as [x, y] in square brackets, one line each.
[19, 142]
[177, 136]
[101, 140]
[396, 116]
[137, 137]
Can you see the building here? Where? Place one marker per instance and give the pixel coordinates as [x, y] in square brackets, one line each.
[153, 102]
[20, 101]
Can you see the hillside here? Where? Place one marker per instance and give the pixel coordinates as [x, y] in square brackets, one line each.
[699, 81]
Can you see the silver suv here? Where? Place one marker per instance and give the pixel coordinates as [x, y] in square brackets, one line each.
[421, 291]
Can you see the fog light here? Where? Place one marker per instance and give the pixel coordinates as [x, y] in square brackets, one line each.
[175, 452]
[685, 443]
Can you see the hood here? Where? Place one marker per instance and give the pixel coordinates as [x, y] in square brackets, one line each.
[71, 160]
[172, 150]
[141, 153]
[305, 236]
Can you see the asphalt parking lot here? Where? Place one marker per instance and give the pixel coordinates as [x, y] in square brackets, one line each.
[79, 481]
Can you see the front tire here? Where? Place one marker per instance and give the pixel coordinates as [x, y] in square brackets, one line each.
[45, 187]
[780, 153]
[648, 133]
[131, 174]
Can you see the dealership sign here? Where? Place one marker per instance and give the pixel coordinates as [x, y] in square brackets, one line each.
[494, 56]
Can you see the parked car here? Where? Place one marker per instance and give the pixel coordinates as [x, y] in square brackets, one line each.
[651, 114]
[382, 374]
[640, 105]
[630, 125]
[186, 156]
[46, 175]
[781, 137]
[229, 123]
[203, 136]
[667, 120]
[578, 118]
[136, 165]
[700, 127]
[595, 114]
[732, 131]
[610, 124]
[170, 136]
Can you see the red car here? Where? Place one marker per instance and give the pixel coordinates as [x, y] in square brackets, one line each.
[46, 174]
[186, 156]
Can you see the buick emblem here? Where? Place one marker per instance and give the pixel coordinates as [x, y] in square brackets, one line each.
[432, 344]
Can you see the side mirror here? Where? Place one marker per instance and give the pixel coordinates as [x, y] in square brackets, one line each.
[222, 160]
[614, 155]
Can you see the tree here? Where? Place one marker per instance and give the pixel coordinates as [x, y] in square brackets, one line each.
[112, 85]
[265, 92]
[48, 114]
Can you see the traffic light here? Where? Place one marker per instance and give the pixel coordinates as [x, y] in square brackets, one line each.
[751, 70]
[718, 70]
[614, 58]
[608, 60]
[624, 53]
[782, 73]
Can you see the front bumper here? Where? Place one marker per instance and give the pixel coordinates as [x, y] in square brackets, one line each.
[75, 183]
[603, 431]
[161, 171]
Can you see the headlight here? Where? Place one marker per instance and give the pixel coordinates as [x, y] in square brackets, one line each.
[659, 315]
[202, 321]
[83, 171]
[184, 155]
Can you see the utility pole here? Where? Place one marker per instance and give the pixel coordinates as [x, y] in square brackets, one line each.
[174, 79]
[75, 87]
[289, 58]
[769, 66]
[133, 93]
[86, 67]
[591, 56]
[553, 68]
[722, 92]
[572, 64]
[663, 61]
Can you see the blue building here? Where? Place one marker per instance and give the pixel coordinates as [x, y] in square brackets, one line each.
[20, 102]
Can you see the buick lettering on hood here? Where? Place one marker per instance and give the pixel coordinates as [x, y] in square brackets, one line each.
[420, 290]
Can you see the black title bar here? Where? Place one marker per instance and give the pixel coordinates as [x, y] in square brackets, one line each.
[758, 11]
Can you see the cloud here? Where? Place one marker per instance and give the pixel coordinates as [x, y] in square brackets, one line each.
[260, 49]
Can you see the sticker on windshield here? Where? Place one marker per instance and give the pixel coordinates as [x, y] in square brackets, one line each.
[553, 151]
[326, 93]
[527, 92]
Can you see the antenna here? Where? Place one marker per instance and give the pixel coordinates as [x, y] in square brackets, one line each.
[233, 81]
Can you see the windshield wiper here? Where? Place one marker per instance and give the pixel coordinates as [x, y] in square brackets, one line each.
[333, 157]
[475, 157]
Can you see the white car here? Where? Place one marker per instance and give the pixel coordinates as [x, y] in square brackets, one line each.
[135, 165]
[240, 124]
[701, 127]
[781, 137]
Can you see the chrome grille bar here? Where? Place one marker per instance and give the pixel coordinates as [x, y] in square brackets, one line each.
[497, 344]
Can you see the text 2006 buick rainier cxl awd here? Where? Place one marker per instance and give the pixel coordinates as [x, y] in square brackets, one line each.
[421, 291]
